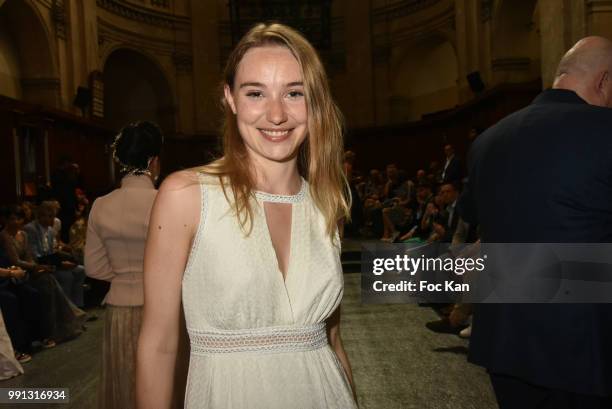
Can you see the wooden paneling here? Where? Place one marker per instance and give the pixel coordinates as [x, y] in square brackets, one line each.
[414, 145]
[70, 136]
[7, 159]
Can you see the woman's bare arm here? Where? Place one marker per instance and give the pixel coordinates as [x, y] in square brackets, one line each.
[333, 332]
[174, 219]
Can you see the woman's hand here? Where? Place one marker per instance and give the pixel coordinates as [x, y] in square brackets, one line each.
[439, 229]
[333, 333]
[17, 272]
[68, 265]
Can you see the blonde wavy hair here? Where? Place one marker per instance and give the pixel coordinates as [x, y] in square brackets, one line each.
[320, 155]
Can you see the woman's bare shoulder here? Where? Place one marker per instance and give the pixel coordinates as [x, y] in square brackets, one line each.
[181, 181]
[179, 195]
[188, 178]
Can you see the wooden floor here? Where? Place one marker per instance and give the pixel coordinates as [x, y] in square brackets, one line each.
[397, 362]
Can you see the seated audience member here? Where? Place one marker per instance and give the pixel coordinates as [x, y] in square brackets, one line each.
[57, 223]
[351, 228]
[78, 234]
[445, 229]
[374, 185]
[349, 161]
[392, 183]
[431, 218]
[42, 240]
[65, 180]
[28, 211]
[421, 177]
[82, 200]
[58, 243]
[432, 179]
[419, 205]
[434, 174]
[407, 188]
[359, 185]
[397, 217]
[372, 209]
[57, 318]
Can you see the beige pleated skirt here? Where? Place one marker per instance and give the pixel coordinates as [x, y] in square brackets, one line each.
[117, 389]
[117, 384]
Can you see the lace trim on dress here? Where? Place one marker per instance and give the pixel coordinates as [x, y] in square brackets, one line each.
[199, 231]
[269, 197]
[262, 340]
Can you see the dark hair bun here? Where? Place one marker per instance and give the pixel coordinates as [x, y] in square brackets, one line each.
[137, 143]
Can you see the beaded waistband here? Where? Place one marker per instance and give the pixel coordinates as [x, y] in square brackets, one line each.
[262, 340]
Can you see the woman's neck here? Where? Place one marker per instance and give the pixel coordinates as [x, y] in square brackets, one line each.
[277, 178]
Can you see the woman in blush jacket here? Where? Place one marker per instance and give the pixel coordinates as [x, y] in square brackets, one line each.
[114, 252]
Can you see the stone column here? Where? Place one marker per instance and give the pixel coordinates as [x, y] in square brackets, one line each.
[359, 86]
[468, 44]
[78, 49]
[562, 23]
[554, 37]
[206, 64]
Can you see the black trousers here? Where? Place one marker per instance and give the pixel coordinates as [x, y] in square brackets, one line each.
[514, 393]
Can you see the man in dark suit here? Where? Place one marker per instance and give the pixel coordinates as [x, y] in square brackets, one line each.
[544, 175]
[453, 169]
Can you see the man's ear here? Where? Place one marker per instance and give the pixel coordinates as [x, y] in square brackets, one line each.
[602, 81]
[229, 98]
[603, 87]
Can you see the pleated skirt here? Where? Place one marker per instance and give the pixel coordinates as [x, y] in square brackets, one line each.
[117, 384]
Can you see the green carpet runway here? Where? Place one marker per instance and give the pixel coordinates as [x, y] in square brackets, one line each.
[397, 363]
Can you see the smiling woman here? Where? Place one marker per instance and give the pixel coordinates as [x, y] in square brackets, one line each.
[250, 243]
[271, 111]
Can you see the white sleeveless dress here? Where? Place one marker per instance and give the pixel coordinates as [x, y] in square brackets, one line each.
[258, 341]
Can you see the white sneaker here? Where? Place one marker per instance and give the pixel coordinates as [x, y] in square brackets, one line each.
[466, 332]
